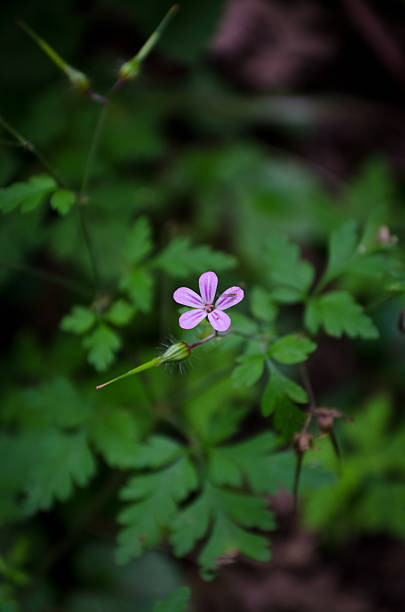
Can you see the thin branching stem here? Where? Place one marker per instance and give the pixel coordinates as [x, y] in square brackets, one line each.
[29, 146]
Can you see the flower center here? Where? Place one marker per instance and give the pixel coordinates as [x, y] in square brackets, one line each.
[208, 307]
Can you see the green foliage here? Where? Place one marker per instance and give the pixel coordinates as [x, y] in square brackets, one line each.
[175, 602]
[199, 455]
[289, 277]
[278, 398]
[120, 313]
[155, 497]
[102, 343]
[63, 200]
[292, 348]
[138, 285]
[139, 242]
[368, 491]
[231, 513]
[29, 195]
[261, 304]
[180, 259]
[342, 246]
[79, 321]
[338, 313]
[249, 370]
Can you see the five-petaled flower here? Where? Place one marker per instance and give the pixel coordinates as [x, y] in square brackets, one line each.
[203, 305]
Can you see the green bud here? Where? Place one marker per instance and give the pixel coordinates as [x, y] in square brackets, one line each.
[78, 79]
[176, 352]
[131, 68]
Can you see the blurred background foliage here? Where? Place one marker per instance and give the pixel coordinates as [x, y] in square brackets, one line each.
[251, 117]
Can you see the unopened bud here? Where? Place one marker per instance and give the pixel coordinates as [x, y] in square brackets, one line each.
[302, 442]
[130, 69]
[176, 352]
[325, 423]
[326, 417]
[384, 236]
[78, 79]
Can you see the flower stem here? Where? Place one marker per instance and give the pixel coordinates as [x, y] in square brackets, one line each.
[207, 339]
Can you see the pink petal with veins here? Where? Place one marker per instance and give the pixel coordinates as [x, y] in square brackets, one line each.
[229, 298]
[187, 297]
[191, 318]
[219, 320]
[208, 287]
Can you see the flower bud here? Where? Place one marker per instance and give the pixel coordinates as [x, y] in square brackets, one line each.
[176, 352]
[78, 79]
[302, 442]
[325, 422]
[130, 69]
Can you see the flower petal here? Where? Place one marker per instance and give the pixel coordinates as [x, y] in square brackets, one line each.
[229, 298]
[219, 320]
[187, 297]
[191, 318]
[208, 286]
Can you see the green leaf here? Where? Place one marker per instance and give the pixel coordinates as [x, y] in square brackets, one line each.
[120, 313]
[61, 461]
[278, 390]
[338, 313]
[292, 348]
[342, 247]
[289, 277]
[139, 243]
[157, 451]
[261, 305]
[180, 259]
[115, 435]
[63, 200]
[138, 283]
[55, 402]
[28, 195]
[175, 602]
[278, 398]
[154, 498]
[248, 371]
[244, 325]
[248, 460]
[102, 343]
[79, 320]
[224, 509]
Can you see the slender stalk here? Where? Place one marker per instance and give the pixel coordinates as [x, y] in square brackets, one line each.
[206, 339]
[29, 146]
[297, 474]
[93, 149]
[86, 176]
[144, 366]
[47, 276]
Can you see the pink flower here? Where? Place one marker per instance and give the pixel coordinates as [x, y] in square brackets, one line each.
[203, 305]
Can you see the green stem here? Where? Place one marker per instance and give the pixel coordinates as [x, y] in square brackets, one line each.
[92, 151]
[86, 175]
[144, 366]
[29, 146]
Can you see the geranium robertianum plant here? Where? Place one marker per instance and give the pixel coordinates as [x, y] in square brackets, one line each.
[197, 474]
